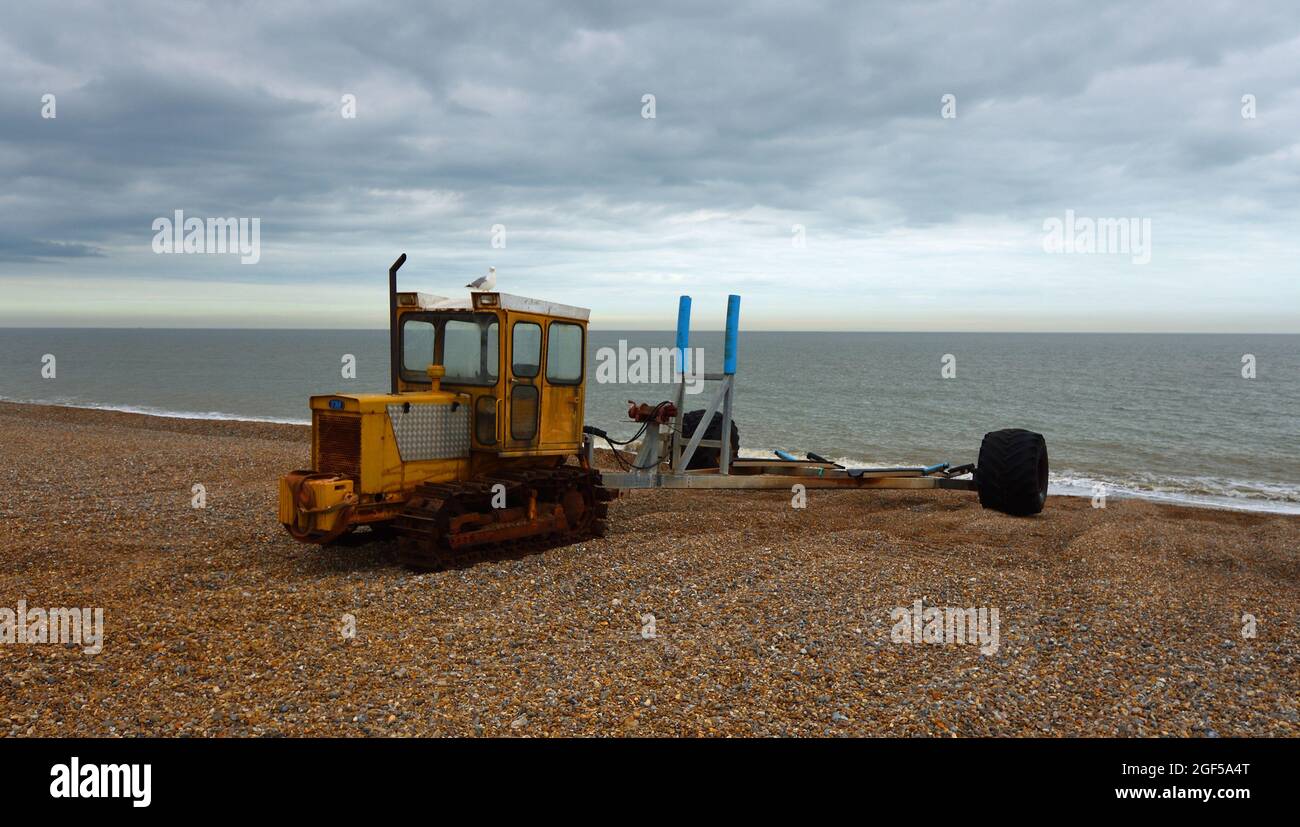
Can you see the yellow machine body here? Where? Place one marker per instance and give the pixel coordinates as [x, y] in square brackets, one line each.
[463, 409]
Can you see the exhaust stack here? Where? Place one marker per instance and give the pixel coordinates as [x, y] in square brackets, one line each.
[394, 356]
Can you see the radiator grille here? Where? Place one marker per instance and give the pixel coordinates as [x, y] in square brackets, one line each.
[338, 445]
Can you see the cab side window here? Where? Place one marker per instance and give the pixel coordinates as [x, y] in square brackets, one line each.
[526, 351]
[417, 345]
[564, 354]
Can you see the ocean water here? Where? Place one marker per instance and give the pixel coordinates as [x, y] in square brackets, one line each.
[1167, 417]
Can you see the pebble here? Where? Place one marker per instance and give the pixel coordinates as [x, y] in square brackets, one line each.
[1115, 621]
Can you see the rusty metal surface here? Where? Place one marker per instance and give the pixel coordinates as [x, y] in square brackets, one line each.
[338, 444]
[660, 414]
[447, 525]
[306, 509]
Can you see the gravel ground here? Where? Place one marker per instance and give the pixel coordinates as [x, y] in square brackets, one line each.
[767, 620]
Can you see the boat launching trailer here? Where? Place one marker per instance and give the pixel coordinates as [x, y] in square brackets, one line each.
[675, 451]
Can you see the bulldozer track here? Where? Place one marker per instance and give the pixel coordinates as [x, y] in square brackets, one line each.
[455, 524]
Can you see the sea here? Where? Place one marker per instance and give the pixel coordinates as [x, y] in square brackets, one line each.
[1210, 420]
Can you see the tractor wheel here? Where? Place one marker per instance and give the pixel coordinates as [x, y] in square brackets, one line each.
[708, 457]
[1011, 475]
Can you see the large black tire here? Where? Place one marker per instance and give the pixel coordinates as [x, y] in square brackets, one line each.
[1011, 474]
[708, 457]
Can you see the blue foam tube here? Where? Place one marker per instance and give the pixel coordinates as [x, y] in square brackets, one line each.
[683, 331]
[733, 325]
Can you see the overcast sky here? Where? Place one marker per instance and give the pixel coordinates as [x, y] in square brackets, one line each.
[766, 119]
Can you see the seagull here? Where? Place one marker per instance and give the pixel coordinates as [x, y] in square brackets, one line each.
[484, 283]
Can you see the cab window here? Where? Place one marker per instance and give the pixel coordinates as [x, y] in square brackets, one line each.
[417, 347]
[526, 352]
[469, 351]
[564, 354]
[466, 346]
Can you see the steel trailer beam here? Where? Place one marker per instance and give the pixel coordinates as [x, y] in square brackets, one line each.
[780, 481]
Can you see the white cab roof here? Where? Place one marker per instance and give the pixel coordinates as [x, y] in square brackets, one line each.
[508, 301]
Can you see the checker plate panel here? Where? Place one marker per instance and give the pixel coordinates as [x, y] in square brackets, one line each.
[430, 430]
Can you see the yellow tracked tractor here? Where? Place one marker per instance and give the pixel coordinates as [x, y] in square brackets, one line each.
[468, 452]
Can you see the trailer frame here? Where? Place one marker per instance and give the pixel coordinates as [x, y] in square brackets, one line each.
[661, 444]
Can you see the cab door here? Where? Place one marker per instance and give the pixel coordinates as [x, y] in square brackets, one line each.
[524, 381]
[563, 388]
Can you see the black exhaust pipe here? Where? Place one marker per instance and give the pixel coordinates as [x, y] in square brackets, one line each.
[394, 356]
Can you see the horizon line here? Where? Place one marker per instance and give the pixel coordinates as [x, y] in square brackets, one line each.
[694, 330]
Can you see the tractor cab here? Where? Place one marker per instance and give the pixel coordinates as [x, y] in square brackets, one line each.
[517, 361]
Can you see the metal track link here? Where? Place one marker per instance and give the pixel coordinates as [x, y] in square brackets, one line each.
[454, 524]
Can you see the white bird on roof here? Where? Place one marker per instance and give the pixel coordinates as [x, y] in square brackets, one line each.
[484, 283]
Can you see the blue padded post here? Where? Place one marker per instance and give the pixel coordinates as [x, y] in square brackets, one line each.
[733, 325]
[683, 331]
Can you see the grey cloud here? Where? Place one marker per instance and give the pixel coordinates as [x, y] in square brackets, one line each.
[30, 250]
[529, 115]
